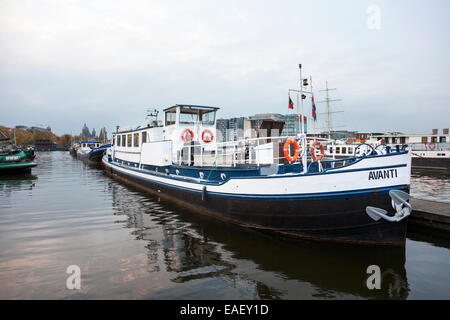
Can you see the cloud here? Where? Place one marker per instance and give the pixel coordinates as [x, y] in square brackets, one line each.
[104, 57]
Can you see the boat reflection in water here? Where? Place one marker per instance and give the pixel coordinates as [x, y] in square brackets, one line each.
[16, 182]
[196, 247]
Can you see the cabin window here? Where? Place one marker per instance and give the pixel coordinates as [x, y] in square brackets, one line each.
[191, 116]
[338, 150]
[129, 137]
[434, 139]
[144, 137]
[442, 140]
[350, 150]
[208, 117]
[344, 150]
[424, 139]
[118, 141]
[171, 117]
[136, 139]
[123, 140]
[331, 149]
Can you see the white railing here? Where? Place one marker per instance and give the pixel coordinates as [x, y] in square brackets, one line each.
[250, 152]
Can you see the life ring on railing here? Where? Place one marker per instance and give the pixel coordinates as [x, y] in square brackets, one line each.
[286, 150]
[183, 135]
[432, 145]
[207, 136]
[313, 151]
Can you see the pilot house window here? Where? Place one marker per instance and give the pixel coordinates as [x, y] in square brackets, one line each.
[136, 139]
[171, 117]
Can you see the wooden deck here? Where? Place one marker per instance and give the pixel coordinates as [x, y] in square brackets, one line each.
[431, 214]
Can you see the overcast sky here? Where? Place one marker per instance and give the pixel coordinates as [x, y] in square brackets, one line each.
[103, 63]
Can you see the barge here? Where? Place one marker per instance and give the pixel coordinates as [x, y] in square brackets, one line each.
[276, 184]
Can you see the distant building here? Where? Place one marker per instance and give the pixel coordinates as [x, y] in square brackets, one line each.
[49, 129]
[222, 125]
[44, 145]
[86, 133]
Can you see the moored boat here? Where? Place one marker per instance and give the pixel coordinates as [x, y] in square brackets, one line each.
[272, 183]
[14, 159]
[91, 151]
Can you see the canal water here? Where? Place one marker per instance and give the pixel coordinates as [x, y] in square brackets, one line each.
[130, 245]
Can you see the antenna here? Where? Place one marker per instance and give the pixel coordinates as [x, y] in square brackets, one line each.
[152, 114]
[329, 112]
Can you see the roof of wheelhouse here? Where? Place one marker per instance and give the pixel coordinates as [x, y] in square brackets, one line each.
[192, 106]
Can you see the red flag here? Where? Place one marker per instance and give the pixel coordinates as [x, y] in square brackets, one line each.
[291, 104]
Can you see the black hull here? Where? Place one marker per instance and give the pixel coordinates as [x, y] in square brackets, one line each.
[94, 157]
[22, 169]
[431, 163]
[341, 220]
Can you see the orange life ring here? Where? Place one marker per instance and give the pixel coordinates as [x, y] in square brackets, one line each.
[313, 151]
[286, 150]
[432, 145]
[183, 135]
[211, 136]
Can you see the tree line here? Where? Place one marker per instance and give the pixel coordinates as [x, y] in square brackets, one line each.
[29, 137]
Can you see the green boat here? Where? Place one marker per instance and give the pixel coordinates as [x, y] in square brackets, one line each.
[17, 160]
[14, 159]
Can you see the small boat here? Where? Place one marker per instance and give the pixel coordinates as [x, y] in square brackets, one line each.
[91, 151]
[74, 148]
[13, 159]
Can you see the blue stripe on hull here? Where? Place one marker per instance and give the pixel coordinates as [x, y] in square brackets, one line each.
[268, 197]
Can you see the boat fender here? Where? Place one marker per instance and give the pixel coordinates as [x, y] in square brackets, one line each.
[188, 138]
[204, 193]
[313, 151]
[286, 150]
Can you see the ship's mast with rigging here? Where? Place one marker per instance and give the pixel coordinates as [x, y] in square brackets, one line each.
[329, 122]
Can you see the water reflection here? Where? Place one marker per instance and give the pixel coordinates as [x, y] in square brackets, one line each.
[196, 247]
[16, 182]
[431, 184]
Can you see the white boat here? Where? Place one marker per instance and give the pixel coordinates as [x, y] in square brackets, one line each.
[275, 184]
[429, 151]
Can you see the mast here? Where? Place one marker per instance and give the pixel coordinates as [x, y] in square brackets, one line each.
[329, 112]
[300, 96]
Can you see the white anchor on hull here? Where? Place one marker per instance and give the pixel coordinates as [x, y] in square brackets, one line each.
[399, 203]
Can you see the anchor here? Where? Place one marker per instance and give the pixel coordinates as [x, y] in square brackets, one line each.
[399, 203]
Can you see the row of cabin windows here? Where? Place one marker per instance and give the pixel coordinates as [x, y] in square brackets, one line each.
[402, 140]
[128, 140]
[341, 150]
[95, 145]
